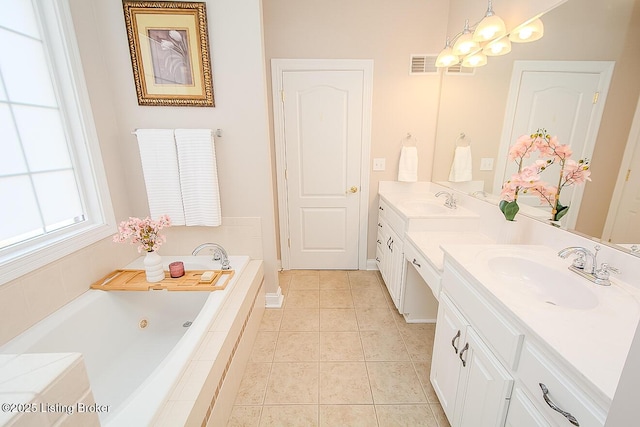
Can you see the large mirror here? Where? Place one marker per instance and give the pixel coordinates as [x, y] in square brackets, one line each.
[577, 30]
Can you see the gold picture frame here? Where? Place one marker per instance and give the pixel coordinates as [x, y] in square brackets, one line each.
[169, 48]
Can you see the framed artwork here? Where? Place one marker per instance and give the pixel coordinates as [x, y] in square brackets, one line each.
[169, 49]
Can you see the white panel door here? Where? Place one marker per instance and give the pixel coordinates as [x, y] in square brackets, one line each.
[323, 121]
[568, 104]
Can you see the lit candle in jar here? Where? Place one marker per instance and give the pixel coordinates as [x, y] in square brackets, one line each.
[176, 269]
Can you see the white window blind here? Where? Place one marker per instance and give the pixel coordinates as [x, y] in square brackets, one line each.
[51, 180]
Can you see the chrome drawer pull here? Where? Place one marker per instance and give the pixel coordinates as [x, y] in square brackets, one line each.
[415, 262]
[465, 348]
[545, 394]
[453, 341]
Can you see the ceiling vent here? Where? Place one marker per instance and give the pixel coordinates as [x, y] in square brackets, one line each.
[423, 64]
[459, 70]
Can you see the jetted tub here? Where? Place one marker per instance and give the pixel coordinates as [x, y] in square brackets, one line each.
[135, 344]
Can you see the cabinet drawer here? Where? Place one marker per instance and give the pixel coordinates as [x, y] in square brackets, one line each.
[523, 413]
[423, 267]
[536, 369]
[395, 221]
[504, 337]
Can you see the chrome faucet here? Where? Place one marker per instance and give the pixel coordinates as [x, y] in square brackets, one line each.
[450, 202]
[586, 264]
[218, 254]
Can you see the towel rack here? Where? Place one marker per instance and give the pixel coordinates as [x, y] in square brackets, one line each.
[218, 132]
[409, 137]
[461, 138]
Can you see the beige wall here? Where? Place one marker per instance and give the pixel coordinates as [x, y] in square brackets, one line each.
[576, 30]
[387, 32]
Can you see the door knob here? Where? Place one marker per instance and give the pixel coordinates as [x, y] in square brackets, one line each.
[353, 189]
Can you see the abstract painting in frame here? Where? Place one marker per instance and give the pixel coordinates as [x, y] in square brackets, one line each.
[169, 49]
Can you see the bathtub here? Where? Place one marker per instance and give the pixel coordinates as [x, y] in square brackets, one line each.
[135, 345]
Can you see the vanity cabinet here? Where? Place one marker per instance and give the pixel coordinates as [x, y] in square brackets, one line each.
[472, 385]
[389, 255]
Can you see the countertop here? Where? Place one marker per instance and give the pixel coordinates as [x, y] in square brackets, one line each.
[595, 340]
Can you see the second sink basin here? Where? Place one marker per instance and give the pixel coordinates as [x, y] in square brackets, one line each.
[551, 285]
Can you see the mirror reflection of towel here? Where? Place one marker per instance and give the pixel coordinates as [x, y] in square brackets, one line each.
[408, 167]
[462, 165]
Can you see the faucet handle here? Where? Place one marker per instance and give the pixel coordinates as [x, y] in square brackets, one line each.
[602, 274]
[579, 261]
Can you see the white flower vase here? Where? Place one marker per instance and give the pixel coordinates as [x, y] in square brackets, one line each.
[153, 267]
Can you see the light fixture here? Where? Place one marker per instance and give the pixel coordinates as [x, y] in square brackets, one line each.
[491, 26]
[528, 32]
[465, 42]
[477, 59]
[446, 58]
[497, 47]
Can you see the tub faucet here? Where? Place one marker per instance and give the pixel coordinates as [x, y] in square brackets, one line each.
[218, 254]
[450, 202]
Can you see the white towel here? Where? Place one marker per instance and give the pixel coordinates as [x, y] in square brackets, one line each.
[198, 177]
[408, 167]
[461, 167]
[160, 169]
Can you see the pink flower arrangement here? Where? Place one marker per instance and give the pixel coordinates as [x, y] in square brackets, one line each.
[143, 232]
[527, 179]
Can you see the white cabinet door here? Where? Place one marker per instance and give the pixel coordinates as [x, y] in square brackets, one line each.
[523, 413]
[445, 363]
[396, 260]
[484, 386]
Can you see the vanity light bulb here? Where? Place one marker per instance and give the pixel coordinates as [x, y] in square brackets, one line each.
[528, 32]
[525, 33]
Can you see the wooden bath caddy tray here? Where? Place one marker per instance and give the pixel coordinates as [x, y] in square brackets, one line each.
[135, 280]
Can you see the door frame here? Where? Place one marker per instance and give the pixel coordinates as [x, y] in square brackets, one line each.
[603, 68]
[633, 144]
[278, 68]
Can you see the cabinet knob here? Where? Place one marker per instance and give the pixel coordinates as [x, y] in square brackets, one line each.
[462, 352]
[415, 262]
[567, 415]
[381, 208]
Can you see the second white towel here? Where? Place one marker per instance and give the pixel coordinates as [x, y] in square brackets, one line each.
[408, 167]
[198, 177]
[462, 166]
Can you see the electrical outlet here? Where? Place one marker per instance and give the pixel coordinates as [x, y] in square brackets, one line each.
[379, 164]
[486, 164]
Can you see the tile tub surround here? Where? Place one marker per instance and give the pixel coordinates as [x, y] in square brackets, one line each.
[337, 353]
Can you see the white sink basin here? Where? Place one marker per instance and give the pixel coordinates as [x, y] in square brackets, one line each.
[552, 285]
[424, 207]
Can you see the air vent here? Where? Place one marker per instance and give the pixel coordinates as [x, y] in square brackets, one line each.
[458, 69]
[423, 64]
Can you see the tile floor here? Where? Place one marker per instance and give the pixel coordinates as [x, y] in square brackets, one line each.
[338, 354]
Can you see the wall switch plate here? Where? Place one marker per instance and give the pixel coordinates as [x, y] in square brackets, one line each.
[379, 164]
[486, 164]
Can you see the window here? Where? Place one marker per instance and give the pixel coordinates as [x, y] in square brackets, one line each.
[52, 186]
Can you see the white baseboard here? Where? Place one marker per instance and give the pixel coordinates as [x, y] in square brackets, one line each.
[372, 264]
[274, 299]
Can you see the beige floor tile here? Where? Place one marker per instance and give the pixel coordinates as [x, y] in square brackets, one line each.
[334, 279]
[340, 346]
[375, 319]
[383, 346]
[423, 369]
[297, 347]
[302, 299]
[394, 382]
[439, 414]
[405, 416]
[303, 283]
[347, 416]
[271, 319]
[289, 416]
[335, 298]
[305, 272]
[419, 343]
[363, 279]
[293, 383]
[338, 320]
[344, 383]
[245, 416]
[372, 297]
[301, 319]
[264, 346]
[254, 384]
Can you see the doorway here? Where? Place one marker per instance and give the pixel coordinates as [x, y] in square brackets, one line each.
[322, 126]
